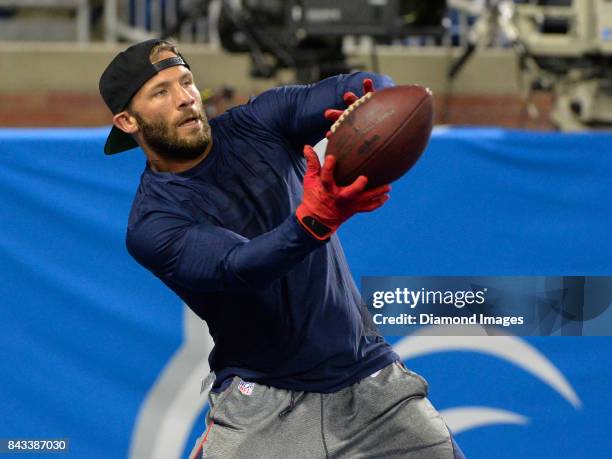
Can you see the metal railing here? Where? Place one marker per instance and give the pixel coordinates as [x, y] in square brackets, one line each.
[82, 8]
[139, 19]
[134, 20]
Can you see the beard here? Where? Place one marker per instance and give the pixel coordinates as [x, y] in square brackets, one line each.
[165, 141]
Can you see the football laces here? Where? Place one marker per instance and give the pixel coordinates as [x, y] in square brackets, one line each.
[351, 108]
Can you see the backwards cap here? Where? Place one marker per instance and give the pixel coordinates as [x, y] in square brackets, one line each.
[123, 77]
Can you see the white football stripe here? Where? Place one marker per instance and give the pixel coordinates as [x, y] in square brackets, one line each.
[320, 148]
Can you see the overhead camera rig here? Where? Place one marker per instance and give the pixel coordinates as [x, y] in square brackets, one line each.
[307, 35]
[564, 46]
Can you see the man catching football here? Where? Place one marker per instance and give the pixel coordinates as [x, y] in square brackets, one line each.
[238, 217]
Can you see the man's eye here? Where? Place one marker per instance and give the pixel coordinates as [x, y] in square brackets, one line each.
[161, 92]
[187, 83]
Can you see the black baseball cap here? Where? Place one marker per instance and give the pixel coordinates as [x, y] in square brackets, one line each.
[123, 77]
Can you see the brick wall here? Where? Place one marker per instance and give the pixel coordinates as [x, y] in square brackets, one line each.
[69, 109]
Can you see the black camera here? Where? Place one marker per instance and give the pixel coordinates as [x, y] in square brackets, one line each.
[307, 35]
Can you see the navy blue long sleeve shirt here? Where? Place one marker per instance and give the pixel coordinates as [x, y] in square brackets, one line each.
[282, 307]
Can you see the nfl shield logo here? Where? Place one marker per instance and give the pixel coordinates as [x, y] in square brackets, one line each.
[246, 387]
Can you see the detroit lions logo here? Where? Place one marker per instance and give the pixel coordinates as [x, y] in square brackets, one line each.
[168, 413]
[511, 349]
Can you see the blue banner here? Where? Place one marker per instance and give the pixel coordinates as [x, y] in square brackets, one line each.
[96, 351]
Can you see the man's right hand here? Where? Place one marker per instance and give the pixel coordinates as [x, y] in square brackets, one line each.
[349, 99]
[326, 205]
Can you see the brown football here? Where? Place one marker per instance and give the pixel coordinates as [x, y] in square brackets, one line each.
[381, 135]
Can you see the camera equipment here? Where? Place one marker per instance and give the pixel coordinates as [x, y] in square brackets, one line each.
[564, 46]
[307, 35]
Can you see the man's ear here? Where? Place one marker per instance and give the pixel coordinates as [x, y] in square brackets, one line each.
[126, 122]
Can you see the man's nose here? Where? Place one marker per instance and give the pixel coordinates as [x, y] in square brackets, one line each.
[185, 98]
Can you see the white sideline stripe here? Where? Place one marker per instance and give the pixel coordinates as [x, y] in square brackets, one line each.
[171, 407]
[470, 417]
[509, 348]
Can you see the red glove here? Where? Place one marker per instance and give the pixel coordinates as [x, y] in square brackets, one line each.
[349, 98]
[325, 205]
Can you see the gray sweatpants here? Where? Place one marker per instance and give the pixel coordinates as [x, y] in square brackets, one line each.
[386, 415]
